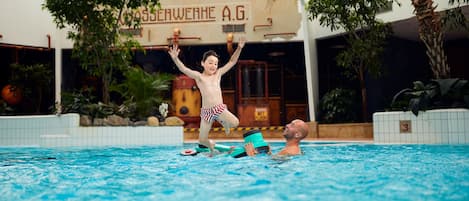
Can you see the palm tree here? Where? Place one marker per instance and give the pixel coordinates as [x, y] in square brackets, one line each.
[431, 35]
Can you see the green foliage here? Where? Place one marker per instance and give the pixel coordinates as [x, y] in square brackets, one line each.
[337, 106]
[76, 102]
[35, 80]
[364, 51]
[98, 41]
[5, 109]
[437, 94]
[347, 15]
[36, 74]
[451, 2]
[364, 33]
[454, 19]
[83, 103]
[99, 110]
[143, 92]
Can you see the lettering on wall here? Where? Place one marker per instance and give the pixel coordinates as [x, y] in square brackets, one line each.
[216, 13]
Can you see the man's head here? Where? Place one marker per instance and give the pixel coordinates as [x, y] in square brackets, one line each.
[296, 129]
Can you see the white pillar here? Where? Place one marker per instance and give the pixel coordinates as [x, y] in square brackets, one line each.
[58, 73]
[311, 63]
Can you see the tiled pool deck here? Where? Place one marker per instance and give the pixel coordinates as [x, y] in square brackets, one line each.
[431, 127]
[64, 130]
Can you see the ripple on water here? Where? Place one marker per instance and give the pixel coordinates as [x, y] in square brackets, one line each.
[325, 172]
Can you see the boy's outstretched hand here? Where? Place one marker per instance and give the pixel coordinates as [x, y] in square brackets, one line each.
[174, 51]
[242, 42]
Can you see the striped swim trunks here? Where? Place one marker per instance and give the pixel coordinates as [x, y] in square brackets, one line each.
[211, 114]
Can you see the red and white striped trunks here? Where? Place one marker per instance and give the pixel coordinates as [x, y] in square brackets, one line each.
[211, 114]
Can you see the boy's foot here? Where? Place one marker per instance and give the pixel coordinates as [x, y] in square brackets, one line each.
[227, 131]
[226, 126]
[210, 144]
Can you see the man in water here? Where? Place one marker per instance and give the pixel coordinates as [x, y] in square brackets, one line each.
[294, 132]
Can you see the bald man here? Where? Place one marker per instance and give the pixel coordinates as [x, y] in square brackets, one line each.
[294, 132]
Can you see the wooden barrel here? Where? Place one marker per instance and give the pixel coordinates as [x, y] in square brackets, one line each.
[186, 100]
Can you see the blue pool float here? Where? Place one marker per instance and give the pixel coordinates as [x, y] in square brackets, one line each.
[254, 136]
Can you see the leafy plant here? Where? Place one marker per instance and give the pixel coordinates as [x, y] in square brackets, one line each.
[365, 35]
[99, 110]
[142, 91]
[5, 109]
[439, 93]
[99, 43]
[35, 80]
[76, 102]
[82, 102]
[337, 106]
[454, 19]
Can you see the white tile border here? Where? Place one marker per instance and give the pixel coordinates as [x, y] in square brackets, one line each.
[64, 130]
[441, 126]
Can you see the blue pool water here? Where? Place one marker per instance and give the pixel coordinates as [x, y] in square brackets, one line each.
[326, 171]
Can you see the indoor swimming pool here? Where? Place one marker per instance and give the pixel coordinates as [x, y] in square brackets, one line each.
[326, 171]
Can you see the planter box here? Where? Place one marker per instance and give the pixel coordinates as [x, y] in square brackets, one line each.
[64, 130]
[443, 126]
[346, 130]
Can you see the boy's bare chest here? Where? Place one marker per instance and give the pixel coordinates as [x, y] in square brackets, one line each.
[209, 81]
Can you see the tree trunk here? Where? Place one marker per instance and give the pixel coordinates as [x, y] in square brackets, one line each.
[363, 93]
[105, 89]
[431, 35]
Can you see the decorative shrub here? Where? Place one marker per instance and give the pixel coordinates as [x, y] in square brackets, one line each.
[339, 106]
[143, 92]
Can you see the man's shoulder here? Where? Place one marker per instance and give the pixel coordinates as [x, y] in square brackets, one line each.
[290, 151]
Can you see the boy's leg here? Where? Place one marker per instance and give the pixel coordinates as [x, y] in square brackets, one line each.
[205, 127]
[228, 120]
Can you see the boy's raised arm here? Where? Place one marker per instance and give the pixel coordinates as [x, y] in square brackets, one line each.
[174, 52]
[234, 58]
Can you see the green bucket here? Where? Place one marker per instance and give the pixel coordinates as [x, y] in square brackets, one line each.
[255, 137]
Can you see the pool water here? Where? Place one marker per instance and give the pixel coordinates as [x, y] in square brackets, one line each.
[326, 171]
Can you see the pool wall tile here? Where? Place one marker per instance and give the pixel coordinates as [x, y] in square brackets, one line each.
[64, 130]
[442, 126]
